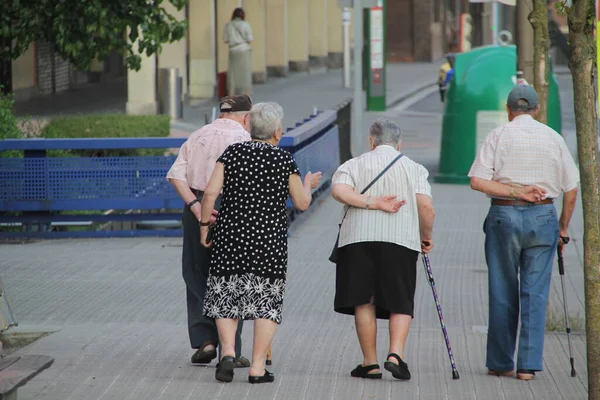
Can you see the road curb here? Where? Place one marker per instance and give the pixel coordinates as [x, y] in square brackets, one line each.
[409, 93]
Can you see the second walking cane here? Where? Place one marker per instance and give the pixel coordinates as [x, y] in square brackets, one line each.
[439, 310]
[561, 271]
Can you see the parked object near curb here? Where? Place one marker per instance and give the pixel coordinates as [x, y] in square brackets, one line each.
[476, 104]
[170, 89]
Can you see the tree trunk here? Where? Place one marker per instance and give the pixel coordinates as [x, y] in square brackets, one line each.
[5, 69]
[539, 21]
[583, 53]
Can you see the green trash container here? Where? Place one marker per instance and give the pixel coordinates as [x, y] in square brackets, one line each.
[476, 104]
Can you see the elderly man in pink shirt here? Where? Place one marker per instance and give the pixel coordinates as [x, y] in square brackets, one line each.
[189, 175]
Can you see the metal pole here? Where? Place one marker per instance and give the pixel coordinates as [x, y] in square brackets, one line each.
[495, 22]
[346, 36]
[358, 95]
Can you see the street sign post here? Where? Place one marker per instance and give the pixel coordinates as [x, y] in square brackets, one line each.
[375, 40]
[358, 104]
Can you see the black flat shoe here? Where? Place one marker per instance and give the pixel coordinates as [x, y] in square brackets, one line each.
[225, 369]
[400, 370]
[266, 378]
[202, 356]
[363, 372]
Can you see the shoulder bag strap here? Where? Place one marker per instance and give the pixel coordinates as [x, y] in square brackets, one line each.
[373, 182]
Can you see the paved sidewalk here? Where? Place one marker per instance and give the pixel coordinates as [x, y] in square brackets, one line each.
[299, 94]
[118, 308]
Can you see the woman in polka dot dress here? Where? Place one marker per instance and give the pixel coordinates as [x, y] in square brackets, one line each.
[249, 258]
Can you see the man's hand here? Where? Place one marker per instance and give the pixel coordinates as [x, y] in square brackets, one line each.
[204, 237]
[312, 180]
[563, 239]
[196, 209]
[389, 204]
[530, 193]
[426, 246]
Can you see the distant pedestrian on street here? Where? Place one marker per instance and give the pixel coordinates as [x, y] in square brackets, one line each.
[522, 166]
[189, 175]
[249, 265]
[446, 74]
[379, 243]
[238, 35]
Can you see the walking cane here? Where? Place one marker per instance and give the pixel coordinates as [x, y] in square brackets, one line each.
[269, 361]
[439, 310]
[561, 271]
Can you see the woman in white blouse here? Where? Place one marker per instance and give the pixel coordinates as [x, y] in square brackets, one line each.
[380, 240]
[238, 35]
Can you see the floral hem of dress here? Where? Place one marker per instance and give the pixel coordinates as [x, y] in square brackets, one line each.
[246, 296]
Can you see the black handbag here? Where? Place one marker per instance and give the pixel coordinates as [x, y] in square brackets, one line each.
[333, 257]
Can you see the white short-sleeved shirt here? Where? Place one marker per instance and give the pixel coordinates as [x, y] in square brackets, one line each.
[238, 34]
[404, 179]
[526, 152]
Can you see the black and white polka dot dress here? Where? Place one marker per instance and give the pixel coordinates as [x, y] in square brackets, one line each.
[249, 259]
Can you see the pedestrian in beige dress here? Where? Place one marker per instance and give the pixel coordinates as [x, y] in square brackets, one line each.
[238, 35]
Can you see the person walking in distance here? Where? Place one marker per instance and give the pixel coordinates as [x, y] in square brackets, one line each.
[522, 166]
[238, 36]
[189, 175]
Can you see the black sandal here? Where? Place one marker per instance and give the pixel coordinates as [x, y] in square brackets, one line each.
[363, 372]
[202, 356]
[400, 370]
[225, 369]
[266, 378]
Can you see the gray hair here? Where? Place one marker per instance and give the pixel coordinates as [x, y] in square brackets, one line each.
[265, 119]
[385, 131]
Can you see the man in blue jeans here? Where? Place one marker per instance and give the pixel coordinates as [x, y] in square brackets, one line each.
[522, 166]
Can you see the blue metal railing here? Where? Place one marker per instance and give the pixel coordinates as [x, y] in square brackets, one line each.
[36, 188]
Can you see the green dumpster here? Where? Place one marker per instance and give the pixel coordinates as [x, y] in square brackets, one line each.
[476, 104]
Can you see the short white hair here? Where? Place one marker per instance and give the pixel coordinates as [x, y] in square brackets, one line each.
[385, 131]
[265, 120]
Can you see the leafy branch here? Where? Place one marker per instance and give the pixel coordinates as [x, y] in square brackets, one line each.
[81, 31]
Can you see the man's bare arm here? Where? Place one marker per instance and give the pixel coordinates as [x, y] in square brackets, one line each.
[497, 189]
[569, 200]
[186, 194]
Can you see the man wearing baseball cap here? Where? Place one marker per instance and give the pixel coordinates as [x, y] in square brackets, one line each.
[523, 166]
[189, 175]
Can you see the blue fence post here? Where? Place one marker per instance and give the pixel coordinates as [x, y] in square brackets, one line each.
[31, 158]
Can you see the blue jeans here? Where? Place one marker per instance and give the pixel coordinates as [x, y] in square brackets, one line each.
[525, 237]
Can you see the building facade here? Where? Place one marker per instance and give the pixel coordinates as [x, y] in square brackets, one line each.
[289, 35]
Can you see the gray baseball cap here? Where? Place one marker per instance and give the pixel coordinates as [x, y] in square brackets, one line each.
[522, 92]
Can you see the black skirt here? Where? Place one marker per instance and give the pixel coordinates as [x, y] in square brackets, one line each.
[385, 271]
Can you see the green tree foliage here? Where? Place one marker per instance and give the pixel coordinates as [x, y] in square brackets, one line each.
[84, 30]
[8, 124]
